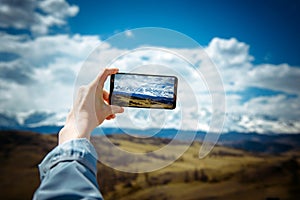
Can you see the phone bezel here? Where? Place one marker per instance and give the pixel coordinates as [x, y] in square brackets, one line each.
[111, 89]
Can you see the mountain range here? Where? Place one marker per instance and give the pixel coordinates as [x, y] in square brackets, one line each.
[251, 141]
[158, 91]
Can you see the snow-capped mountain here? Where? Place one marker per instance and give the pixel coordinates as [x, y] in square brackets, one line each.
[40, 121]
[160, 91]
[145, 85]
[234, 123]
[255, 134]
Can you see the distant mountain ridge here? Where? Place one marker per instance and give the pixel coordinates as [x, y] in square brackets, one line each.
[251, 142]
[50, 123]
[161, 99]
[262, 124]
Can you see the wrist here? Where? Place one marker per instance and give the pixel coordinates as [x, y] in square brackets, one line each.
[70, 132]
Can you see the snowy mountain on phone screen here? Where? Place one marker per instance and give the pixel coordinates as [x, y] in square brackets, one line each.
[144, 85]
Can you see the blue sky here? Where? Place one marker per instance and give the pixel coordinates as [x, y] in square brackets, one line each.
[271, 27]
[255, 45]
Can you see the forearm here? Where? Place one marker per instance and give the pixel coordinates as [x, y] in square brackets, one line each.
[71, 130]
[75, 161]
[69, 171]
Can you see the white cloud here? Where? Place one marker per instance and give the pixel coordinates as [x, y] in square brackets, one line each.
[264, 113]
[229, 53]
[279, 106]
[275, 77]
[234, 62]
[42, 74]
[41, 51]
[58, 8]
[36, 16]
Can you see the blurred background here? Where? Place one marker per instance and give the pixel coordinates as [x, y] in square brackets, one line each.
[254, 44]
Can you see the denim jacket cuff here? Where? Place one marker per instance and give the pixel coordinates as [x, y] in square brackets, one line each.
[80, 150]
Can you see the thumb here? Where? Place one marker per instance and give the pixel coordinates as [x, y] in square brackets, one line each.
[115, 109]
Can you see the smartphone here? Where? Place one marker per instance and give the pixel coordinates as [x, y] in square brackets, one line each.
[143, 90]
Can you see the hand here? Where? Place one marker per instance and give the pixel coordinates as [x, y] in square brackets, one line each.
[90, 109]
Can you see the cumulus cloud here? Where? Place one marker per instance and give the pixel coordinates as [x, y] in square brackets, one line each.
[17, 71]
[44, 72]
[34, 15]
[238, 72]
[229, 53]
[38, 74]
[277, 111]
[282, 77]
[43, 50]
[279, 106]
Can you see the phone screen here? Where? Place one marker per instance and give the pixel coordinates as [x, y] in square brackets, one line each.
[143, 90]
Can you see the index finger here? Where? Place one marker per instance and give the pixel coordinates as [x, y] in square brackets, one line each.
[101, 78]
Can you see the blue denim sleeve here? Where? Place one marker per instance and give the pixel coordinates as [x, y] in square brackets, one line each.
[69, 172]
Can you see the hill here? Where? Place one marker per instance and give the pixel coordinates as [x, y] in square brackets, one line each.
[227, 173]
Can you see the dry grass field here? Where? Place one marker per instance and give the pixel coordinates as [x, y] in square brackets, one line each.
[225, 174]
[138, 102]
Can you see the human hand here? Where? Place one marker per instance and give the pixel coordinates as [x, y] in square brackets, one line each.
[90, 109]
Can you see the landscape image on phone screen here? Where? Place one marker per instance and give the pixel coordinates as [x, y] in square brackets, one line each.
[144, 91]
